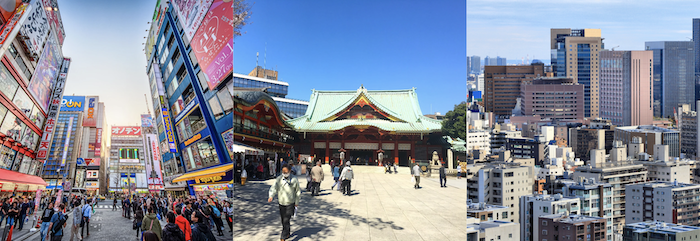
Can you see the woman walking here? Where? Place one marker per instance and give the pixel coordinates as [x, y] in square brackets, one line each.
[138, 220]
[336, 176]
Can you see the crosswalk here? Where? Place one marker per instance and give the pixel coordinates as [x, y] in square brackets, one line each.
[104, 206]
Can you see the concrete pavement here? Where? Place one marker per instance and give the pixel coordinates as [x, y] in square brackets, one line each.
[383, 207]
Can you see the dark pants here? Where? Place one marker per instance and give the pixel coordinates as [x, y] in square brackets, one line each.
[286, 213]
[56, 238]
[417, 185]
[346, 187]
[86, 226]
[443, 181]
[20, 225]
[315, 188]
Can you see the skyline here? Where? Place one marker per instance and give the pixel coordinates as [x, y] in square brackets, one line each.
[387, 46]
[522, 29]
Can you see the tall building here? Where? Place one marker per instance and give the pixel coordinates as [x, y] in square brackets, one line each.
[583, 140]
[670, 202]
[127, 161]
[674, 75]
[553, 98]
[276, 89]
[689, 133]
[475, 64]
[489, 61]
[493, 230]
[532, 207]
[501, 61]
[562, 226]
[575, 54]
[650, 136]
[596, 200]
[502, 86]
[501, 185]
[696, 48]
[626, 87]
[655, 230]
[190, 72]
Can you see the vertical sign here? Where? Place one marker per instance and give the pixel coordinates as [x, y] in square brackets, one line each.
[36, 28]
[66, 142]
[213, 43]
[52, 113]
[9, 31]
[90, 120]
[98, 142]
[168, 126]
[153, 171]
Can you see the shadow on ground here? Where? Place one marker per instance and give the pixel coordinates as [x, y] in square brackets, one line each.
[253, 214]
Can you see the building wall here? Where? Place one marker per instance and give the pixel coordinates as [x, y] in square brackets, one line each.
[626, 87]
[689, 133]
[674, 75]
[502, 86]
[534, 206]
[555, 101]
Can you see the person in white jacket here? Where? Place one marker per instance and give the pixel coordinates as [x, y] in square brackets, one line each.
[416, 174]
[346, 177]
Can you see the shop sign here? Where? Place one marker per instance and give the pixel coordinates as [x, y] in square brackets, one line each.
[213, 187]
[169, 130]
[185, 111]
[131, 167]
[193, 139]
[52, 113]
[208, 179]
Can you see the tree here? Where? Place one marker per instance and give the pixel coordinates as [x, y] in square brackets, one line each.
[454, 124]
[241, 14]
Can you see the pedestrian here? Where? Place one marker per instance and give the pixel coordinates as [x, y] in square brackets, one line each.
[184, 224]
[216, 217]
[271, 167]
[87, 214]
[45, 220]
[260, 171]
[459, 171]
[336, 177]
[56, 225]
[200, 231]
[77, 223]
[11, 217]
[228, 210]
[5, 209]
[188, 210]
[286, 188]
[128, 208]
[317, 177]
[416, 175]
[151, 223]
[443, 177]
[172, 232]
[346, 178]
[138, 220]
[114, 204]
[150, 236]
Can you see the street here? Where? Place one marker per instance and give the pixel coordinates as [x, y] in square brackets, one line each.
[382, 207]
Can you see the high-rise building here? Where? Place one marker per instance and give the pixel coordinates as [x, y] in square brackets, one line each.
[501, 61]
[596, 200]
[626, 87]
[670, 202]
[533, 206]
[696, 47]
[553, 98]
[475, 64]
[655, 230]
[583, 140]
[190, 72]
[502, 86]
[689, 133]
[489, 61]
[674, 75]
[501, 185]
[127, 161]
[562, 226]
[575, 54]
[650, 136]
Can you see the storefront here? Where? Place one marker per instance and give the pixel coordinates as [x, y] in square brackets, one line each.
[210, 181]
[172, 189]
[19, 185]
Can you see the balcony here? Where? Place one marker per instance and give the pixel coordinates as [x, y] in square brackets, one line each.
[273, 136]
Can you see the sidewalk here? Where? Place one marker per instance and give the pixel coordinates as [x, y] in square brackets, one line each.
[382, 207]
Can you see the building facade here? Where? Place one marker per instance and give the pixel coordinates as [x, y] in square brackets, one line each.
[575, 54]
[583, 140]
[657, 230]
[502, 86]
[689, 133]
[475, 65]
[533, 207]
[486, 212]
[553, 98]
[626, 94]
[650, 136]
[674, 75]
[670, 202]
[276, 89]
[572, 227]
[493, 230]
[596, 200]
[501, 185]
[127, 161]
[696, 48]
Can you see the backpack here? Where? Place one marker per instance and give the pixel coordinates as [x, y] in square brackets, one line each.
[217, 213]
[58, 226]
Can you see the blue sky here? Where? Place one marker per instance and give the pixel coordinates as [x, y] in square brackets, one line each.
[340, 45]
[103, 39]
[515, 29]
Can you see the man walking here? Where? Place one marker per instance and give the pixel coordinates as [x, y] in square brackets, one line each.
[77, 219]
[316, 179]
[346, 177]
[416, 174]
[87, 214]
[23, 211]
[443, 177]
[58, 221]
[286, 188]
[114, 204]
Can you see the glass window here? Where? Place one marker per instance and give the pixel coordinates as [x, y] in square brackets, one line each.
[203, 79]
[215, 107]
[226, 100]
[11, 126]
[8, 84]
[23, 102]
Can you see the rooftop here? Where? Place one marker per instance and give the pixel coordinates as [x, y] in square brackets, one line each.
[660, 227]
[564, 218]
[480, 207]
[646, 129]
[660, 184]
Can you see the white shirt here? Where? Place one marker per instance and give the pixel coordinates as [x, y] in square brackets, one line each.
[459, 168]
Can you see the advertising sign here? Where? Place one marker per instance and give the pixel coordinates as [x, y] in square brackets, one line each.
[169, 130]
[52, 113]
[128, 155]
[141, 180]
[153, 171]
[46, 72]
[92, 185]
[54, 18]
[227, 137]
[72, 103]
[191, 13]
[146, 121]
[10, 29]
[213, 43]
[80, 178]
[92, 162]
[35, 28]
[98, 142]
[92, 174]
[126, 130]
[90, 120]
[159, 78]
[67, 142]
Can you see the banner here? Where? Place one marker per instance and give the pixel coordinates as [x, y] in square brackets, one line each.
[92, 185]
[153, 170]
[46, 72]
[126, 130]
[227, 137]
[54, 18]
[66, 143]
[17, 16]
[72, 103]
[98, 142]
[89, 120]
[213, 43]
[146, 121]
[167, 123]
[35, 28]
[92, 162]
[80, 178]
[191, 13]
[141, 180]
[52, 113]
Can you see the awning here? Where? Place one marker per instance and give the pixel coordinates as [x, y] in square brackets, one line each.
[20, 178]
[211, 172]
[240, 148]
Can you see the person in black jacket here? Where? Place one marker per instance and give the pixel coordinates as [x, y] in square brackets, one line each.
[443, 177]
[172, 232]
[200, 231]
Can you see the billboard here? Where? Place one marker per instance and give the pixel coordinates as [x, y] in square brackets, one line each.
[66, 143]
[146, 121]
[79, 178]
[167, 123]
[46, 72]
[213, 43]
[128, 155]
[92, 162]
[98, 142]
[89, 120]
[141, 180]
[16, 16]
[191, 13]
[53, 16]
[92, 174]
[52, 113]
[126, 130]
[73, 103]
[92, 185]
[35, 28]
[153, 170]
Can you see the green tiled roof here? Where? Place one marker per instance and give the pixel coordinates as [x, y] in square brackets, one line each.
[401, 104]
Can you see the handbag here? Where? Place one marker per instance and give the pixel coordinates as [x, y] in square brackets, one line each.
[413, 179]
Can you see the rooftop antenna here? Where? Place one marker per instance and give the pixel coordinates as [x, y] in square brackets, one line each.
[147, 109]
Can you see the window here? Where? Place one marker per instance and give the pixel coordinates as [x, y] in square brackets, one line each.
[203, 81]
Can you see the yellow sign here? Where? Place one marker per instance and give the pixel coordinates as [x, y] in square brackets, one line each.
[193, 139]
[208, 179]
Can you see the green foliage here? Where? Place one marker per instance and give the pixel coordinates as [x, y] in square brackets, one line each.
[455, 122]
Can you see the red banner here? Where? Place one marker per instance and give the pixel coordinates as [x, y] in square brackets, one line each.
[126, 130]
[213, 42]
[98, 142]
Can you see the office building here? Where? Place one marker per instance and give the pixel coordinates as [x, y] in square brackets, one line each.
[670, 202]
[489, 61]
[674, 75]
[500, 134]
[276, 89]
[192, 95]
[584, 139]
[479, 140]
[562, 226]
[575, 54]
[502, 86]
[475, 65]
[650, 136]
[487, 212]
[596, 200]
[525, 148]
[261, 72]
[532, 207]
[626, 87]
[552, 98]
[653, 230]
[501, 61]
[689, 132]
[696, 48]
[501, 185]
[493, 230]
